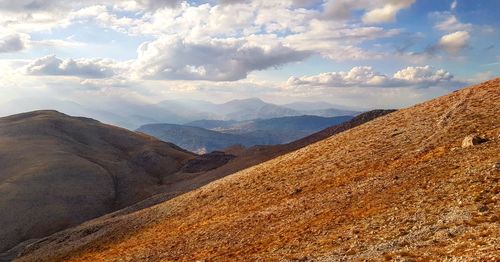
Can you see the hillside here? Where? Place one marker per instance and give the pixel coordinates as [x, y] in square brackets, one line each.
[237, 158]
[208, 135]
[194, 172]
[398, 187]
[57, 171]
[247, 157]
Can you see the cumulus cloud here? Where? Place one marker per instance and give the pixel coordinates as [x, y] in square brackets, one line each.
[85, 68]
[386, 13]
[454, 42]
[214, 60]
[376, 11]
[13, 43]
[366, 76]
[422, 75]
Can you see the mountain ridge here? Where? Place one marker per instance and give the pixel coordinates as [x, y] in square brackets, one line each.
[222, 134]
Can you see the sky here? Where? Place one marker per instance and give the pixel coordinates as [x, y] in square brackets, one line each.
[354, 53]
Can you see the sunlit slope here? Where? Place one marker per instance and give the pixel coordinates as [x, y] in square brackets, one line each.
[398, 186]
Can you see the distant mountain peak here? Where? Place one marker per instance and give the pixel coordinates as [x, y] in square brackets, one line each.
[252, 100]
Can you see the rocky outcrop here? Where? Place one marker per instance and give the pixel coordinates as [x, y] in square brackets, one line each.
[207, 162]
[473, 140]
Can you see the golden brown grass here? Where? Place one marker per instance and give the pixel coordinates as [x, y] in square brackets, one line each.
[397, 188]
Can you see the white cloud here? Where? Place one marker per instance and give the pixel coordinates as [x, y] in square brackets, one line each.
[454, 42]
[85, 68]
[365, 76]
[386, 13]
[337, 41]
[454, 5]
[422, 75]
[450, 23]
[214, 60]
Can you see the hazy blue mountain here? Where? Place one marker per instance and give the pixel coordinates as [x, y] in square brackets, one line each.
[133, 114]
[321, 109]
[239, 109]
[213, 124]
[304, 124]
[209, 135]
[197, 139]
[308, 106]
[254, 108]
[116, 112]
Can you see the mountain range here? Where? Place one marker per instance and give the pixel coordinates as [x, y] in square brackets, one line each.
[416, 184]
[204, 136]
[132, 115]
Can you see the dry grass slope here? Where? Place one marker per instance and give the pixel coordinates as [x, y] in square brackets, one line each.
[57, 171]
[399, 187]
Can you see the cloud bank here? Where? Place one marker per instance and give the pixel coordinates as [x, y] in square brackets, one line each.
[214, 60]
[366, 76]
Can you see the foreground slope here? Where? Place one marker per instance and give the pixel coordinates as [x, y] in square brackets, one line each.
[400, 186]
[57, 171]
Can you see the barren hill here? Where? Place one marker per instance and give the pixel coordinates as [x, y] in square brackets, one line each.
[399, 187]
[57, 171]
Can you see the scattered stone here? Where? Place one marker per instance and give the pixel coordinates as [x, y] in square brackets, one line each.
[473, 140]
[496, 166]
[483, 209]
[297, 191]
